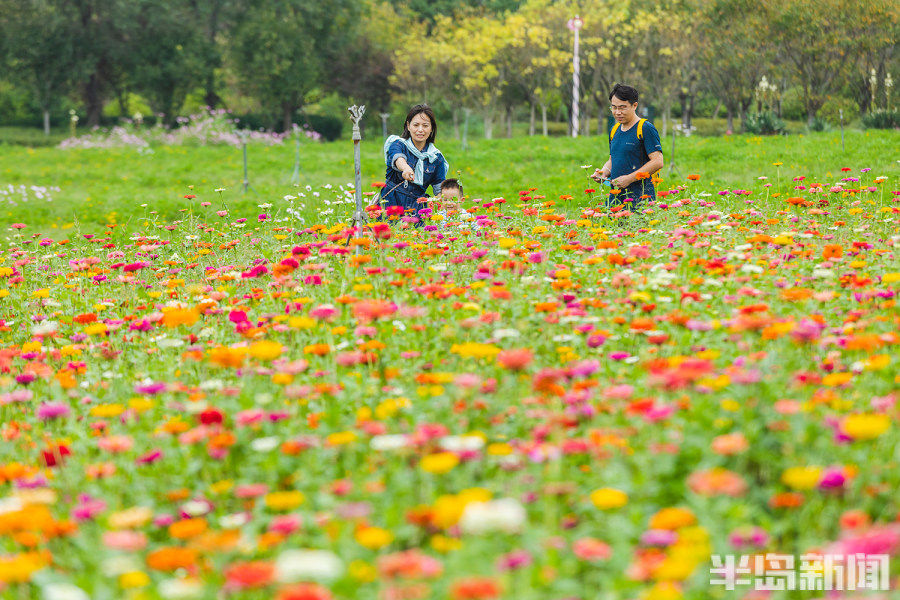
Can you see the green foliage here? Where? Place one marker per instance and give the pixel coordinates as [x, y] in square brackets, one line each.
[882, 119]
[328, 126]
[764, 123]
[553, 165]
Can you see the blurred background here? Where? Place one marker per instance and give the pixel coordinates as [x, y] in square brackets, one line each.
[491, 68]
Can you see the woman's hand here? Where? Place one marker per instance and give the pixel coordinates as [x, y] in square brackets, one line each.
[408, 174]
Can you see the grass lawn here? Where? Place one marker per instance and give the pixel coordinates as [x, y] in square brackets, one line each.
[102, 185]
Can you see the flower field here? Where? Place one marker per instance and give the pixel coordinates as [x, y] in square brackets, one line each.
[526, 398]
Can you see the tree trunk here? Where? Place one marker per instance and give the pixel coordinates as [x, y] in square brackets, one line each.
[456, 123]
[211, 98]
[586, 122]
[544, 119]
[666, 114]
[287, 116]
[93, 103]
[509, 121]
[46, 122]
[488, 125]
[729, 118]
[531, 120]
[715, 114]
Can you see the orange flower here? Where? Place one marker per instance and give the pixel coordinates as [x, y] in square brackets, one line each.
[672, 519]
[85, 318]
[475, 588]
[731, 443]
[187, 528]
[515, 359]
[171, 558]
[832, 251]
[252, 574]
[717, 481]
[641, 175]
[694, 177]
[786, 500]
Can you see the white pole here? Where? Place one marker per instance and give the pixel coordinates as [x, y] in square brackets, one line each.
[575, 25]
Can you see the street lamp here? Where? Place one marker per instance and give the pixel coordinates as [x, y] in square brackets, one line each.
[575, 25]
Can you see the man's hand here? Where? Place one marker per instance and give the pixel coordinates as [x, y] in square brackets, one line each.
[600, 174]
[623, 181]
[408, 174]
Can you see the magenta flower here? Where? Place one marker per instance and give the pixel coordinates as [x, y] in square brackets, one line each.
[52, 410]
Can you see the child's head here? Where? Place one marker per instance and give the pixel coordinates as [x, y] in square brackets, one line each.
[451, 188]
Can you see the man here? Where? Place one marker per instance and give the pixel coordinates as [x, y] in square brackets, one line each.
[635, 152]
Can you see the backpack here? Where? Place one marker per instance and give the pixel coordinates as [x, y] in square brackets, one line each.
[640, 130]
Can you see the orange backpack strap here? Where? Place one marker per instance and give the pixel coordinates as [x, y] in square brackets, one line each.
[640, 130]
[613, 131]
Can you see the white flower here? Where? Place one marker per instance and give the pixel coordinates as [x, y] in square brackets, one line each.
[462, 443]
[264, 444]
[298, 565]
[505, 515]
[195, 508]
[234, 521]
[383, 443]
[180, 589]
[64, 591]
[45, 328]
[506, 333]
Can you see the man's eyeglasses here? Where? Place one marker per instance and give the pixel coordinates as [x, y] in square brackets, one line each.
[622, 108]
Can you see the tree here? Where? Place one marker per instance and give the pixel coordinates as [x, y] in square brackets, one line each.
[277, 50]
[815, 43]
[38, 41]
[164, 58]
[735, 52]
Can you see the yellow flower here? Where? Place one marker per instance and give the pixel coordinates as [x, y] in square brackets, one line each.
[374, 538]
[499, 449]
[443, 544]
[866, 426]
[360, 570]
[475, 350]
[133, 579]
[173, 317]
[609, 498]
[266, 350]
[140, 404]
[439, 463]
[836, 379]
[340, 438]
[890, 277]
[802, 478]
[107, 410]
[41, 293]
[287, 500]
[301, 322]
[663, 590]
[672, 519]
[130, 518]
[95, 329]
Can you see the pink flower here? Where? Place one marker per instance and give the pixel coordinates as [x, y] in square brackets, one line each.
[127, 541]
[52, 410]
[591, 549]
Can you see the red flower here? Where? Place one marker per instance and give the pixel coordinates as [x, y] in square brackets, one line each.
[191, 196]
[304, 591]
[55, 456]
[211, 416]
[251, 574]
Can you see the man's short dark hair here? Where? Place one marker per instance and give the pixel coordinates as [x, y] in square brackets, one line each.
[624, 92]
[452, 184]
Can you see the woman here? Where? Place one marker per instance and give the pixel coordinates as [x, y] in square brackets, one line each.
[413, 162]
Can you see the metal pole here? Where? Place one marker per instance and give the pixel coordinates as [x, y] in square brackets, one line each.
[672, 163]
[841, 113]
[356, 113]
[575, 25]
[295, 176]
[384, 120]
[465, 138]
[244, 152]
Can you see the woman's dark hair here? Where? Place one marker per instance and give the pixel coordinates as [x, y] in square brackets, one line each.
[452, 184]
[624, 92]
[420, 109]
